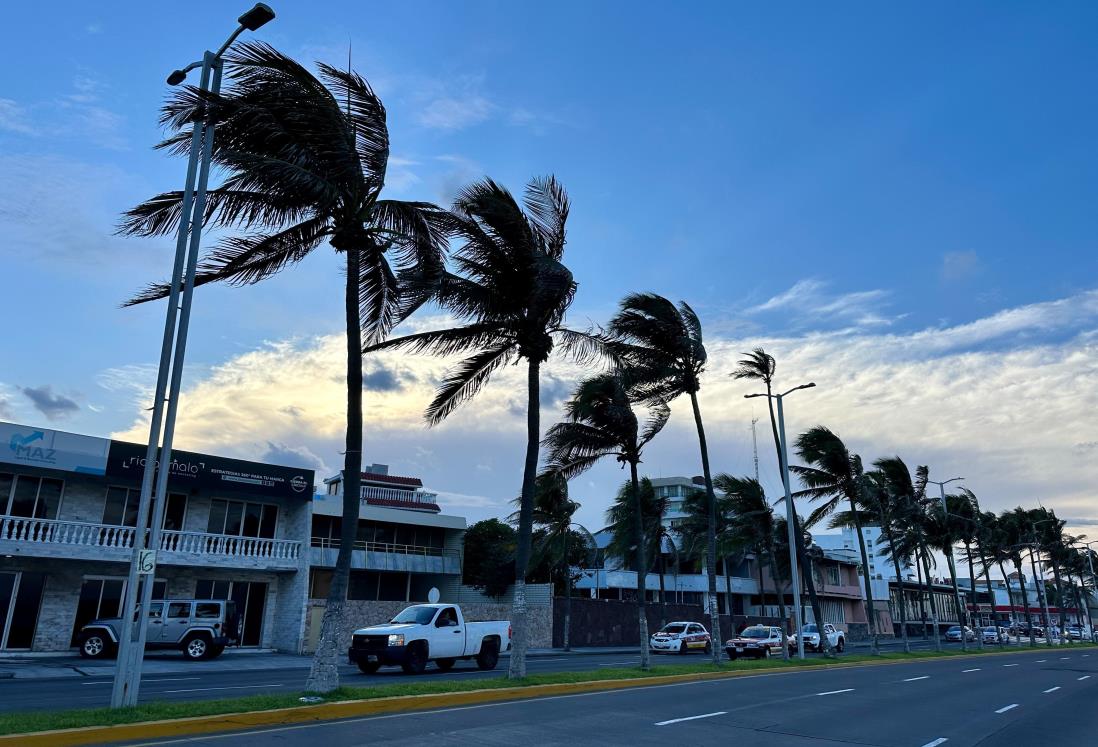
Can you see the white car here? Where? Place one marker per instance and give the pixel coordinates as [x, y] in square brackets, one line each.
[836, 638]
[680, 638]
[992, 634]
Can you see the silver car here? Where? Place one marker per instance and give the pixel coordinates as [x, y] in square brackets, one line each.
[200, 628]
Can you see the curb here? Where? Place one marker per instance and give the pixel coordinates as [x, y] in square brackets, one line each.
[230, 722]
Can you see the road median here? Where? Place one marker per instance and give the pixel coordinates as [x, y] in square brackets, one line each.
[170, 720]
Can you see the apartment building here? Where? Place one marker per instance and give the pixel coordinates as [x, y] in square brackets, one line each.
[233, 529]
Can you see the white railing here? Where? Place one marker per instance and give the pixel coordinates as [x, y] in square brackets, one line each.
[396, 494]
[333, 543]
[84, 534]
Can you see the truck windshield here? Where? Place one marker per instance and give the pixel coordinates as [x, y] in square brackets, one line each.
[419, 615]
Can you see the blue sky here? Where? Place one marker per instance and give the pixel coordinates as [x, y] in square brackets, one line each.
[870, 189]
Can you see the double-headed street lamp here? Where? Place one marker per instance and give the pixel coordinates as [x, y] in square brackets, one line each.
[795, 579]
[131, 641]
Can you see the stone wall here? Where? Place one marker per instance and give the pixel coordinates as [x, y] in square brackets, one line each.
[361, 614]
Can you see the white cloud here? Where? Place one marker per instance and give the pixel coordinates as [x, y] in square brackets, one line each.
[14, 117]
[807, 302]
[960, 265]
[456, 113]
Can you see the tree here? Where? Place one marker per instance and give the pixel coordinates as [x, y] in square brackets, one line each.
[835, 475]
[304, 161]
[1016, 534]
[600, 422]
[760, 366]
[559, 542]
[489, 557]
[893, 494]
[661, 344]
[512, 291]
[943, 534]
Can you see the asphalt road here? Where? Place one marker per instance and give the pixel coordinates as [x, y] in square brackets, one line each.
[1031, 698]
[192, 682]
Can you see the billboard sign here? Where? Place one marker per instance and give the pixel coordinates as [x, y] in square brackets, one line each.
[191, 471]
[27, 446]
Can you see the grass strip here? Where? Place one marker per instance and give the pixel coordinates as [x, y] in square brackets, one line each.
[33, 721]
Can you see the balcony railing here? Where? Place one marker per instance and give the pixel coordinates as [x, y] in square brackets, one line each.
[396, 494]
[82, 534]
[333, 543]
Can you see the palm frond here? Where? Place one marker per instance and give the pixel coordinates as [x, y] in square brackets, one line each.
[465, 380]
[548, 206]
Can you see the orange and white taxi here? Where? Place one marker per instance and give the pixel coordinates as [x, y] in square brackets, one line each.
[681, 638]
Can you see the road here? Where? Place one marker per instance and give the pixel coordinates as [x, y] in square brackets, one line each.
[1030, 698]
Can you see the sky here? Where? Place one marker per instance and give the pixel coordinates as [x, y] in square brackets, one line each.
[896, 200]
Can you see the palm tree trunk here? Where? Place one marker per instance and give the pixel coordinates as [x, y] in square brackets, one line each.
[711, 534]
[962, 615]
[1010, 598]
[762, 595]
[1025, 599]
[1042, 603]
[324, 670]
[1062, 597]
[933, 602]
[663, 588]
[870, 613]
[567, 592]
[903, 597]
[781, 603]
[991, 592]
[972, 588]
[798, 537]
[520, 630]
[642, 568]
[922, 601]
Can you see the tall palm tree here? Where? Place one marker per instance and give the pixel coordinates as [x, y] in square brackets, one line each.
[967, 508]
[893, 494]
[600, 422]
[1016, 535]
[662, 345]
[835, 475]
[760, 366]
[304, 161]
[511, 291]
[942, 535]
[560, 537]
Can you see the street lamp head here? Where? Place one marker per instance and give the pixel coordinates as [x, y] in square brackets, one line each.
[176, 77]
[258, 16]
[749, 396]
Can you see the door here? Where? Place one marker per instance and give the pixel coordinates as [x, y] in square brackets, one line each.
[99, 598]
[449, 638]
[20, 600]
[154, 630]
[177, 619]
[251, 603]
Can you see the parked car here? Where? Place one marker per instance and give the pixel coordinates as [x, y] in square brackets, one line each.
[836, 638]
[1076, 632]
[680, 638]
[429, 632]
[992, 634]
[759, 641]
[954, 633]
[200, 628]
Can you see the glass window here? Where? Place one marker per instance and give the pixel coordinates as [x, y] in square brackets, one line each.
[270, 519]
[6, 481]
[320, 583]
[234, 516]
[114, 506]
[156, 611]
[250, 523]
[362, 585]
[24, 616]
[175, 512]
[207, 610]
[179, 609]
[49, 499]
[393, 587]
[216, 524]
[24, 496]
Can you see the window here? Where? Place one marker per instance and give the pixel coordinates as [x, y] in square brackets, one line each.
[179, 609]
[362, 585]
[320, 583]
[833, 577]
[207, 610]
[30, 497]
[121, 504]
[156, 611]
[242, 519]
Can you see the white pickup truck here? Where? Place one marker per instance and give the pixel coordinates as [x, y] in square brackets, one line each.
[429, 632]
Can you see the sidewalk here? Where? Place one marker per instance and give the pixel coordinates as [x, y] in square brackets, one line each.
[54, 666]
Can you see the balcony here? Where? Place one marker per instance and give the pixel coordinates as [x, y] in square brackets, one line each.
[416, 500]
[381, 556]
[77, 540]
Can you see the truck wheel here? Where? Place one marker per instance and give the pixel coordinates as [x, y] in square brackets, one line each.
[415, 660]
[445, 664]
[94, 646]
[196, 648]
[488, 656]
[840, 645]
[369, 667]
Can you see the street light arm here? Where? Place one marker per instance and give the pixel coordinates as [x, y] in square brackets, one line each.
[809, 385]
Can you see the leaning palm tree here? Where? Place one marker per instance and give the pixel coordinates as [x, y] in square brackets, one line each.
[661, 344]
[511, 291]
[760, 366]
[304, 161]
[561, 538]
[600, 422]
[1016, 535]
[892, 496]
[835, 475]
[943, 534]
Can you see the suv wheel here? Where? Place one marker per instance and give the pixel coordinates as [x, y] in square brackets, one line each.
[93, 646]
[488, 656]
[415, 659]
[196, 648]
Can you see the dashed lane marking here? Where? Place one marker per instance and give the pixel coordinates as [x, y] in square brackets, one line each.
[836, 692]
[690, 718]
[966, 671]
[1004, 709]
[936, 742]
[913, 679]
[1052, 689]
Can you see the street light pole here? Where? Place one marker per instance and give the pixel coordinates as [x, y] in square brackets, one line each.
[1094, 582]
[962, 609]
[142, 572]
[794, 575]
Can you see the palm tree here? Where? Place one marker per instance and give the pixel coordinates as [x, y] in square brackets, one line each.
[661, 344]
[304, 161]
[557, 537]
[758, 365]
[600, 422]
[835, 475]
[512, 291]
[942, 535]
[967, 509]
[1017, 533]
[893, 495]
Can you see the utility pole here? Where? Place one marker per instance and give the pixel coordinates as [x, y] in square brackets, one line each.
[755, 447]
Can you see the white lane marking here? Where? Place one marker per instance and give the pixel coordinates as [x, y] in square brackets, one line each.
[966, 671]
[1004, 709]
[1010, 665]
[1064, 658]
[228, 687]
[618, 663]
[1084, 677]
[690, 718]
[1052, 689]
[1041, 661]
[936, 742]
[836, 692]
[912, 679]
[165, 679]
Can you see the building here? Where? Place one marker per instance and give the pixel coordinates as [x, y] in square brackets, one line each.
[233, 529]
[881, 567]
[676, 490]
